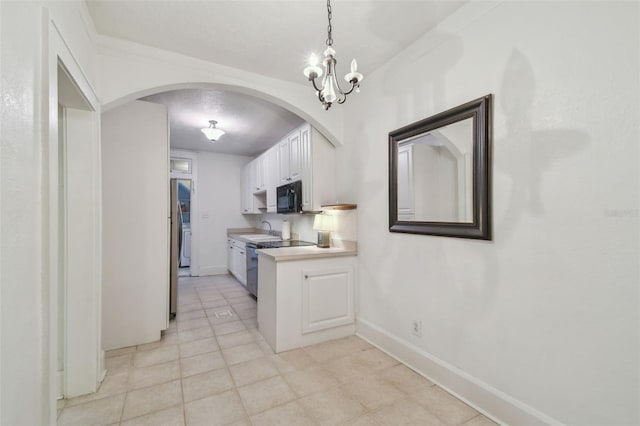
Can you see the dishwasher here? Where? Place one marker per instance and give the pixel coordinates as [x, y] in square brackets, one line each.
[252, 268]
[252, 259]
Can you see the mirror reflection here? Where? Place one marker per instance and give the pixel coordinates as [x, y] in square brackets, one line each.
[440, 173]
[435, 179]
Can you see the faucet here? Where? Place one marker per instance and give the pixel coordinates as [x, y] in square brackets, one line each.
[264, 221]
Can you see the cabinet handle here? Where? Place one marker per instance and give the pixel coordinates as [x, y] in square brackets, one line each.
[241, 252]
[306, 277]
[257, 188]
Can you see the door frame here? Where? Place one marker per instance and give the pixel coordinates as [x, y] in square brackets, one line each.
[195, 214]
[87, 362]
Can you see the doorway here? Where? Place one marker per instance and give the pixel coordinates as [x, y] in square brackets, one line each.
[183, 170]
[75, 207]
[184, 203]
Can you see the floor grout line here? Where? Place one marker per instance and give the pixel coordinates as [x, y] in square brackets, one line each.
[334, 351]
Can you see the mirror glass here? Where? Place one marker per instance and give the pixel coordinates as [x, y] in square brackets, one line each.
[435, 175]
[439, 173]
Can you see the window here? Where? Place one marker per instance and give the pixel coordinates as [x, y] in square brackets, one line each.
[180, 165]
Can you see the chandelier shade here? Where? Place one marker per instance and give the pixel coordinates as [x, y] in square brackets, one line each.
[212, 132]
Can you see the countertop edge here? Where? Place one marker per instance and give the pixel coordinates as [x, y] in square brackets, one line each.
[276, 257]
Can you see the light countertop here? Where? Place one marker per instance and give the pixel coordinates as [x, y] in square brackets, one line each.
[285, 254]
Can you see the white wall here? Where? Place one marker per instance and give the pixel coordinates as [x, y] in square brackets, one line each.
[218, 192]
[546, 313]
[543, 320]
[129, 71]
[302, 225]
[27, 366]
[135, 189]
[345, 223]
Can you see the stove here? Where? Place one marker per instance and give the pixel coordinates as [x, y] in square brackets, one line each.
[284, 243]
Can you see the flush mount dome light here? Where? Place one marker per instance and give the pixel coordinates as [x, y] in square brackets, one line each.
[212, 132]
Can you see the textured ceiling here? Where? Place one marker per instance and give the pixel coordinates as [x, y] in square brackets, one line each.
[273, 38]
[251, 124]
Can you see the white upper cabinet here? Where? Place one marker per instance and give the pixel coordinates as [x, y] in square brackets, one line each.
[290, 159]
[306, 168]
[318, 165]
[262, 170]
[273, 179]
[247, 185]
[295, 156]
[305, 155]
[283, 161]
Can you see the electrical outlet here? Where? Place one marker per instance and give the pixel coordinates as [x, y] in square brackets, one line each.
[416, 328]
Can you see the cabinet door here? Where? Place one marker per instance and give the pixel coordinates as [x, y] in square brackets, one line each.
[258, 175]
[261, 165]
[229, 256]
[327, 298]
[273, 180]
[306, 171]
[246, 188]
[264, 172]
[296, 153]
[241, 265]
[283, 161]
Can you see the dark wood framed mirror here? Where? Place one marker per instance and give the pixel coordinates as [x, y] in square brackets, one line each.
[440, 173]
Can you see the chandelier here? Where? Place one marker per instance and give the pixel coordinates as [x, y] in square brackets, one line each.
[329, 91]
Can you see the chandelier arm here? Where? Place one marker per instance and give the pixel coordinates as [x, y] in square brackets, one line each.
[315, 86]
[353, 86]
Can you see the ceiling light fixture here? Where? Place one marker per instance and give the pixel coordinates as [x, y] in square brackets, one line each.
[330, 91]
[212, 132]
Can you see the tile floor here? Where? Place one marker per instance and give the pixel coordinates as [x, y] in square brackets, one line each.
[212, 368]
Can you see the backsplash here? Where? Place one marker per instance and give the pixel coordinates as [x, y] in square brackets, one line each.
[302, 224]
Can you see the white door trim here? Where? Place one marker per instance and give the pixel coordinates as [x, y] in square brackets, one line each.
[195, 214]
[58, 52]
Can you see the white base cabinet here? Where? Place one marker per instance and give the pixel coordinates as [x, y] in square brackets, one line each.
[237, 259]
[305, 302]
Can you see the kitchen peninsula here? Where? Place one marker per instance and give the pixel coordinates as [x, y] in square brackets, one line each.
[306, 294]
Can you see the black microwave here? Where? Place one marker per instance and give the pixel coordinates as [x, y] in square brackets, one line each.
[290, 197]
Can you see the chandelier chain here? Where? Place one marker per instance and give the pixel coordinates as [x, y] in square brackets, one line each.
[329, 28]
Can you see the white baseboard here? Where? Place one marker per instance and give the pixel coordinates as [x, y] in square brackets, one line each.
[491, 402]
[60, 378]
[211, 270]
[102, 372]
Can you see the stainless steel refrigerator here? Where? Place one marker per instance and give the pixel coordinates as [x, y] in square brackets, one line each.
[175, 236]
